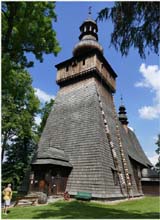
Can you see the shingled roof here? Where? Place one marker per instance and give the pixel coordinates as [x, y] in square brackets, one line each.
[135, 150]
[76, 126]
[49, 153]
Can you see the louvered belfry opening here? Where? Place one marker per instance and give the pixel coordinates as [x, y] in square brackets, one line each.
[84, 146]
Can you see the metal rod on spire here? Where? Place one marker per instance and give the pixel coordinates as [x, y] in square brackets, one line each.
[89, 11]
[121, 99]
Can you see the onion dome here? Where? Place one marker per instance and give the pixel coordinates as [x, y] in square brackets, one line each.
[122, 114]
[88, 38]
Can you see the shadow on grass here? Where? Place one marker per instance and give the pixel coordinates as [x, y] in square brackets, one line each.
[88, 210]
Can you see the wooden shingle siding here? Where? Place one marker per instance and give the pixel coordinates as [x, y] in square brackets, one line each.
[81, 136]
[76, 126]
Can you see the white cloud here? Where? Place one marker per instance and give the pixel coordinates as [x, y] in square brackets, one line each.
[155, 138]
[132, 129]
[153, 159]
[43, 96]
[151, 80]
[37, 120]
[149, 112]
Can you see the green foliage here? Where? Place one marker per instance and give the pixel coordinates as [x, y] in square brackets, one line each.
[136, 24]
[19, 107]
[144, 208]
[158, 144]
[44, 115]
[19, 104]
[27, 27]
[19, 155]
[158, 152]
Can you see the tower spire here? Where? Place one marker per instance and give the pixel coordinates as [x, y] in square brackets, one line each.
[122, 113]
[121, 99]
[88, 37]
[89, 12]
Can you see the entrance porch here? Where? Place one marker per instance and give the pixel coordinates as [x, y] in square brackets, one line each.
[49, 179]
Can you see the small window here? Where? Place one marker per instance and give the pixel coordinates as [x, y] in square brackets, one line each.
[74, 63]
[67, 68]
[115, 177]
[84, 62]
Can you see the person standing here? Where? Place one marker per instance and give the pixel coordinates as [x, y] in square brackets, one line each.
[7, 196]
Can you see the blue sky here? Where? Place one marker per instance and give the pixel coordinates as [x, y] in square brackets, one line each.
[138, 80]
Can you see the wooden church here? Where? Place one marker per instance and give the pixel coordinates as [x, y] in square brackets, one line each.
[86, 146]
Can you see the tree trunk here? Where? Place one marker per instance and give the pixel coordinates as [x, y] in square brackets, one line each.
[12, 14]
[3, 147]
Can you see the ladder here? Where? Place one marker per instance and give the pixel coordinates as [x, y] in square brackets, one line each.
[124, 162]
[123, 185]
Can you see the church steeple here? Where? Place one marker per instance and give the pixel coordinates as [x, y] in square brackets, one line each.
[122, 114]
[88, 37]
[88, 60]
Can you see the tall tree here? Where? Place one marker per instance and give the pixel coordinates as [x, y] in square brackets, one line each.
[19, 137]
[46, 109]
[135, 24]
[158, 152]
[27, 27]
[19, 106]
[19, 155]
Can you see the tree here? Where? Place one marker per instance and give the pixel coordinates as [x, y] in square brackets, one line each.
[19, 106]
[44, 115]
[19, 155]
[19, 137]
[136, 24]
[158, 152]
[27, 27]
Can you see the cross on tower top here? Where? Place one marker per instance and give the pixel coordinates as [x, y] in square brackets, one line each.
[121, 99]
[89, 11]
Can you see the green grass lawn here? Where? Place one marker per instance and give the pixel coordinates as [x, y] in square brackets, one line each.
[147, 207]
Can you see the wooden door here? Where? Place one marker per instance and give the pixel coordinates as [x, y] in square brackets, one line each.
[58, 185]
